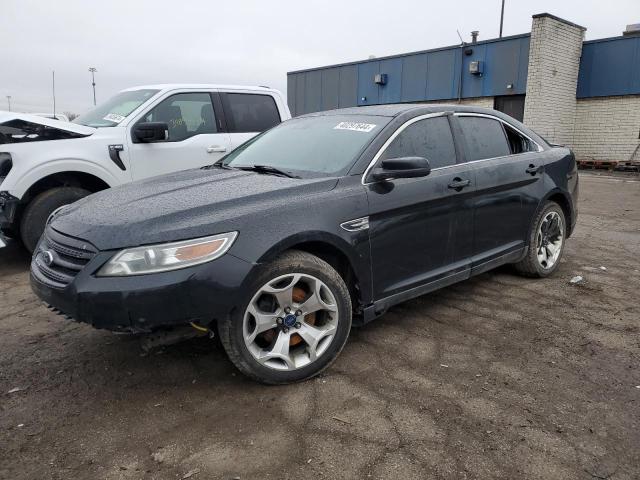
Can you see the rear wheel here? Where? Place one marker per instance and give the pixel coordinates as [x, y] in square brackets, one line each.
[38, 210]
[546, 242]
[294, 322]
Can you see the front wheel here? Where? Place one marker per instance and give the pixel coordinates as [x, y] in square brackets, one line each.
[546, 242]
[38, 210]
[293, 323]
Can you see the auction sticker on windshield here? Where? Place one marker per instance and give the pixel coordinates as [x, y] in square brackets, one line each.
[114, 117]
[355, 126]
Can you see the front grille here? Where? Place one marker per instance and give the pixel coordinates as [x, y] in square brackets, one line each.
[58, 258]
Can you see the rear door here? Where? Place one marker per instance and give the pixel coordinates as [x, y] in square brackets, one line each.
[508, 171]
[248, 114]
[421, 228]
[195, 137]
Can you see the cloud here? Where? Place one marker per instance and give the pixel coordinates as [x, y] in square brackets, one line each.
[243, 42]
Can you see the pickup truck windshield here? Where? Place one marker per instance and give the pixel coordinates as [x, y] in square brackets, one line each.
[116, 109]
[327, 145]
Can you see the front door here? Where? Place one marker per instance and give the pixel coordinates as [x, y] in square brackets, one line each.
[421, 228]
[508, 171]
[194, 137]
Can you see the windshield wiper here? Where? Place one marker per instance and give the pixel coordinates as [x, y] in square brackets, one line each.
[218, 164]
[268, 169]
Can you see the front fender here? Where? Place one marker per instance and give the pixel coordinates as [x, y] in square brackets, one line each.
[29, 177]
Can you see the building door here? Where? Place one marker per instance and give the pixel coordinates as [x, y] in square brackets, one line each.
[512, 105]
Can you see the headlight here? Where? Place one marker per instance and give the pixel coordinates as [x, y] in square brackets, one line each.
[167, 256]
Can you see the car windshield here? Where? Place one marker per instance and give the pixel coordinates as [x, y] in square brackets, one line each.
[325, 145]
[116, 109]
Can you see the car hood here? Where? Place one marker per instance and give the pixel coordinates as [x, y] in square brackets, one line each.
[47, 122]
[183, 205]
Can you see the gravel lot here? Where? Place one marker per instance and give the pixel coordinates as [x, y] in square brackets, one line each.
[496, 377]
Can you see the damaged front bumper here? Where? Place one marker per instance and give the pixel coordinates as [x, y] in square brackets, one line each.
[8, 208]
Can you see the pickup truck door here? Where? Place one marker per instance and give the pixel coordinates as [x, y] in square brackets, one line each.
[196, 136]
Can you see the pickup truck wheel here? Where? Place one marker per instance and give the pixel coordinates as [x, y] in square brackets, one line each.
[293, 323]
[38, 210]
[546, 243]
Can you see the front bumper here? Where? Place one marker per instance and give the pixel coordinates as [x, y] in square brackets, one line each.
[142, 303]
[8, 209]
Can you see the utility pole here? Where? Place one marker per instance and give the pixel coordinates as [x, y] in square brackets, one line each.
[93, 83]
[9, 100]
[53, 80]
[501, 18]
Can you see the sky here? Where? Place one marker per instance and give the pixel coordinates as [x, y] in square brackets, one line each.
[245, 42]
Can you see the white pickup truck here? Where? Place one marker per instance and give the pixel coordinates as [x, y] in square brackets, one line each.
[141, 132]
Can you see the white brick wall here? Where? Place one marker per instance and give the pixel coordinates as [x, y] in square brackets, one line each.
[607, 128]
[552, 78]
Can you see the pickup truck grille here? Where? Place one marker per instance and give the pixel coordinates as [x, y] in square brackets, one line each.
[58, 258]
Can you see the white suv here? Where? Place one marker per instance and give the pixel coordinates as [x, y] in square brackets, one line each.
[139, 133]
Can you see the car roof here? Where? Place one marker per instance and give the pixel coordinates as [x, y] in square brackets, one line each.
[396, 109]
[208, 86]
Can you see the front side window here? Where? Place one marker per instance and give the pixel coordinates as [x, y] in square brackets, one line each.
[325, 144]
[186, 115]
[250, 112]
[483, 138]
[116, 109]
[430, 138]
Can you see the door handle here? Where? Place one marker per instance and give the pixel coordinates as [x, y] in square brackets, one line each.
[458, 184]
[216, 149]
[533, 170]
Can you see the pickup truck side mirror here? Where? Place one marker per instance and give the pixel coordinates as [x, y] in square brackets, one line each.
[403, 167]
[149, 132]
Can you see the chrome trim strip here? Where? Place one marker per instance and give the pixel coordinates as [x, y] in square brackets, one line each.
[439, 114]
[488, 115]
[356, 224]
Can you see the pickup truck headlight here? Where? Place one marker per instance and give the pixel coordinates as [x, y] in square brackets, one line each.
[167, 256]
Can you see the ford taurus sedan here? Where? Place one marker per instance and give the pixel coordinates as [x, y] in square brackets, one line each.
[318, 224]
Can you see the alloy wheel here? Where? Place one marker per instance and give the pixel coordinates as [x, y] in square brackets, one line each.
[290, 321]
[549, 239]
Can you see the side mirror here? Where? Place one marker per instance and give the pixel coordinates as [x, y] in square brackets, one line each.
[404, 167]
[148, 132]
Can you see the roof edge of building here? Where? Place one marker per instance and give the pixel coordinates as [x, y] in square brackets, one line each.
[549, 15]
[418, 52]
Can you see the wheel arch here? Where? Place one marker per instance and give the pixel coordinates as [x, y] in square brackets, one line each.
[85, 180]
[563, 199]
[331, 249]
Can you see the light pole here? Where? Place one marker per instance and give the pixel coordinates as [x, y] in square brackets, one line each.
[9, 100]
[93, 83]
[501, 18]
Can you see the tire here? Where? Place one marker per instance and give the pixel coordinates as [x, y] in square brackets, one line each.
[531, 265]
[38, 210]
[302, 271]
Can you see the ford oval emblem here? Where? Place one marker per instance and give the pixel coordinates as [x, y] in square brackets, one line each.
[47, 258]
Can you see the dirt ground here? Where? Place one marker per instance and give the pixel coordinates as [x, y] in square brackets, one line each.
[496, 377]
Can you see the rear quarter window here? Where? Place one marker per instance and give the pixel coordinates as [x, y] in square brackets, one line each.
[250, 112]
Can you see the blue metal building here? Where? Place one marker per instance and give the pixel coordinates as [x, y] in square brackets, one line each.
[494, 68]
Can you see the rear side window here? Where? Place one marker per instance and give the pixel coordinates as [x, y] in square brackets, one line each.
[430, 138]
[483, 138]
[249, 112]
